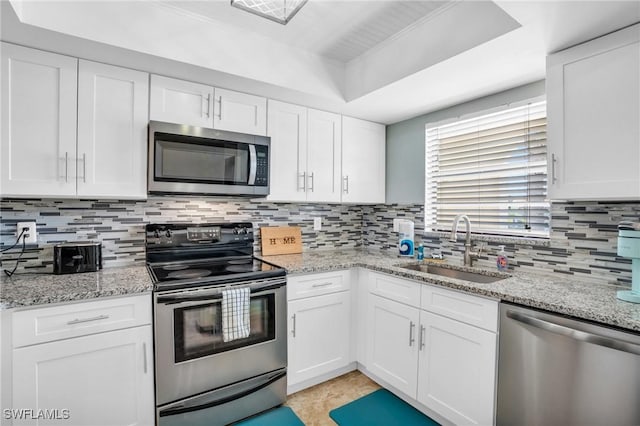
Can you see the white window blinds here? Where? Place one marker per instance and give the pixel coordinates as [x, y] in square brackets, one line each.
[492, 168]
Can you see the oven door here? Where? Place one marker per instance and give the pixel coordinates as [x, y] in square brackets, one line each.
[191, 356]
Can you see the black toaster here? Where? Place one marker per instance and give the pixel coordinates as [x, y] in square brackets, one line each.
[72, 258]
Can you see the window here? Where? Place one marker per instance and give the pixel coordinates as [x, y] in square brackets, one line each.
[492, 168]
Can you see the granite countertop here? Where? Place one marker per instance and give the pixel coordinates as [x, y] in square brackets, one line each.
[552, 292]
[41, 289]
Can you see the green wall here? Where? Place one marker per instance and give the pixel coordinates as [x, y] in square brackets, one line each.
[405, 141]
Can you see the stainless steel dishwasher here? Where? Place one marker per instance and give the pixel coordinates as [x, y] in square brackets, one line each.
[554, 370]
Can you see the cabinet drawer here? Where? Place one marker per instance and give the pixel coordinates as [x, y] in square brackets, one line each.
[398, 289]
[300, 286]
[47, 324]
[462, 307]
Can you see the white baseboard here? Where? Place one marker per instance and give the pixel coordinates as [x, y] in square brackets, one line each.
[320, 379]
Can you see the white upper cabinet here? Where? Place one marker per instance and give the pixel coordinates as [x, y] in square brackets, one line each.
[38, 146]
[47, 100]
[593, 105]
[323, 156]
[287, 127]
[363, 161]
[240, 112]
[195, 104]
[305, 153]
[112, 131]
[181, 102]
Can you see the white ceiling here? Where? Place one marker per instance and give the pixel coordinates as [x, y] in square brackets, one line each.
[338, 30]
[385, 60]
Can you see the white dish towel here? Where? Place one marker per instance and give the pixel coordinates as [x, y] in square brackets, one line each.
[235, 313]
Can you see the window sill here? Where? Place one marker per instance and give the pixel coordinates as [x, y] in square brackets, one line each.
[499, 239]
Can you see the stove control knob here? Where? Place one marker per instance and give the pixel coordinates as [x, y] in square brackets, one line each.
[168, 233]
[235, 231]
[156, 234]
[244, 231]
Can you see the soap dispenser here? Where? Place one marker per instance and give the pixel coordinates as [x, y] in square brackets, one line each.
[502, 261]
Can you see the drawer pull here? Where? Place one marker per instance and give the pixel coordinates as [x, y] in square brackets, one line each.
[321, 284]
[79, 321]
[421, 340]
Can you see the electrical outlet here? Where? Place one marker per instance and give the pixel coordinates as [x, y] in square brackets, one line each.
[396, 224]
[317, 223]
[30, 235]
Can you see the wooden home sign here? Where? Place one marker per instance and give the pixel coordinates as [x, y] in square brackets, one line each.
[280, 240]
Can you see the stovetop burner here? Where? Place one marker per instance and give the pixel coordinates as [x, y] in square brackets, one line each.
[189, 255]
[188, 273]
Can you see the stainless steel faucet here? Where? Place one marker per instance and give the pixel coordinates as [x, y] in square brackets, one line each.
[469, 256]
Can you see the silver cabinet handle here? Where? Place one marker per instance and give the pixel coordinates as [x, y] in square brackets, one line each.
[66, 166]
[302, 175]
[346, 184]
[411, 338]
[220, 109]
[144, 357]
[84, 167]
[311, 180]
[79, 321]
[579, 335]
[208, 105]
[421, 337]
[322, 284]
[553, 168]
[293, 330]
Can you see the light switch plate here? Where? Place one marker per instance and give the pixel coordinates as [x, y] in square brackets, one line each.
[317, 223]
[31, 235]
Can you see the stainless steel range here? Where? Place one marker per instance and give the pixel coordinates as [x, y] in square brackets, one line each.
[205, 374]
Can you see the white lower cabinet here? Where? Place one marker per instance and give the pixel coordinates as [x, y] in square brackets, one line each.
[103, 378]
[456, 370]
[392, 349]
[319, 334]
[319, 340]
[445, 364]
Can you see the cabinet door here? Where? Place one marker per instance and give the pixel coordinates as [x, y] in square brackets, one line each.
[593, 93]
[240, 112]
[112, 131]
[319, 336]
[182, 102]
[363, 161]
[287, 127]
[39, 103]
[456, 372]
[324, 149]
[101, 379]
[392, 346]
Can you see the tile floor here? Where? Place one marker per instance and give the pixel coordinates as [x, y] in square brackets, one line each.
[312, 405]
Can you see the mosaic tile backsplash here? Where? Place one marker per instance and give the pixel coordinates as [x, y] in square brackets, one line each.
[583, 239]
[120, 224]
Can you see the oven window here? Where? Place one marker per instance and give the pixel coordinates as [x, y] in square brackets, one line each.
[215, 162]
[198, 329]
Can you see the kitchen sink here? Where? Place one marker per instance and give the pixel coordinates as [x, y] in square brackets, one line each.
[455, 273]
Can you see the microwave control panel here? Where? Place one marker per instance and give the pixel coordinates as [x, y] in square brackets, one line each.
[262, 171]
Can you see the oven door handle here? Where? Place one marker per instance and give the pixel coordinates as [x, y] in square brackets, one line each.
[215, 294]
[220, 397]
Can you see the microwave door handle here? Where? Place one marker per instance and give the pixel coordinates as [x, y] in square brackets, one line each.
[253, 164]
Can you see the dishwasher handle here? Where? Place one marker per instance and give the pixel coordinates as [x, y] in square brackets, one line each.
[580, 335]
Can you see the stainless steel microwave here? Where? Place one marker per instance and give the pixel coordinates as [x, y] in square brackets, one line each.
[196, 160]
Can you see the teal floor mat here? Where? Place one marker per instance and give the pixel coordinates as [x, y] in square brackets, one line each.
[380, 408]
